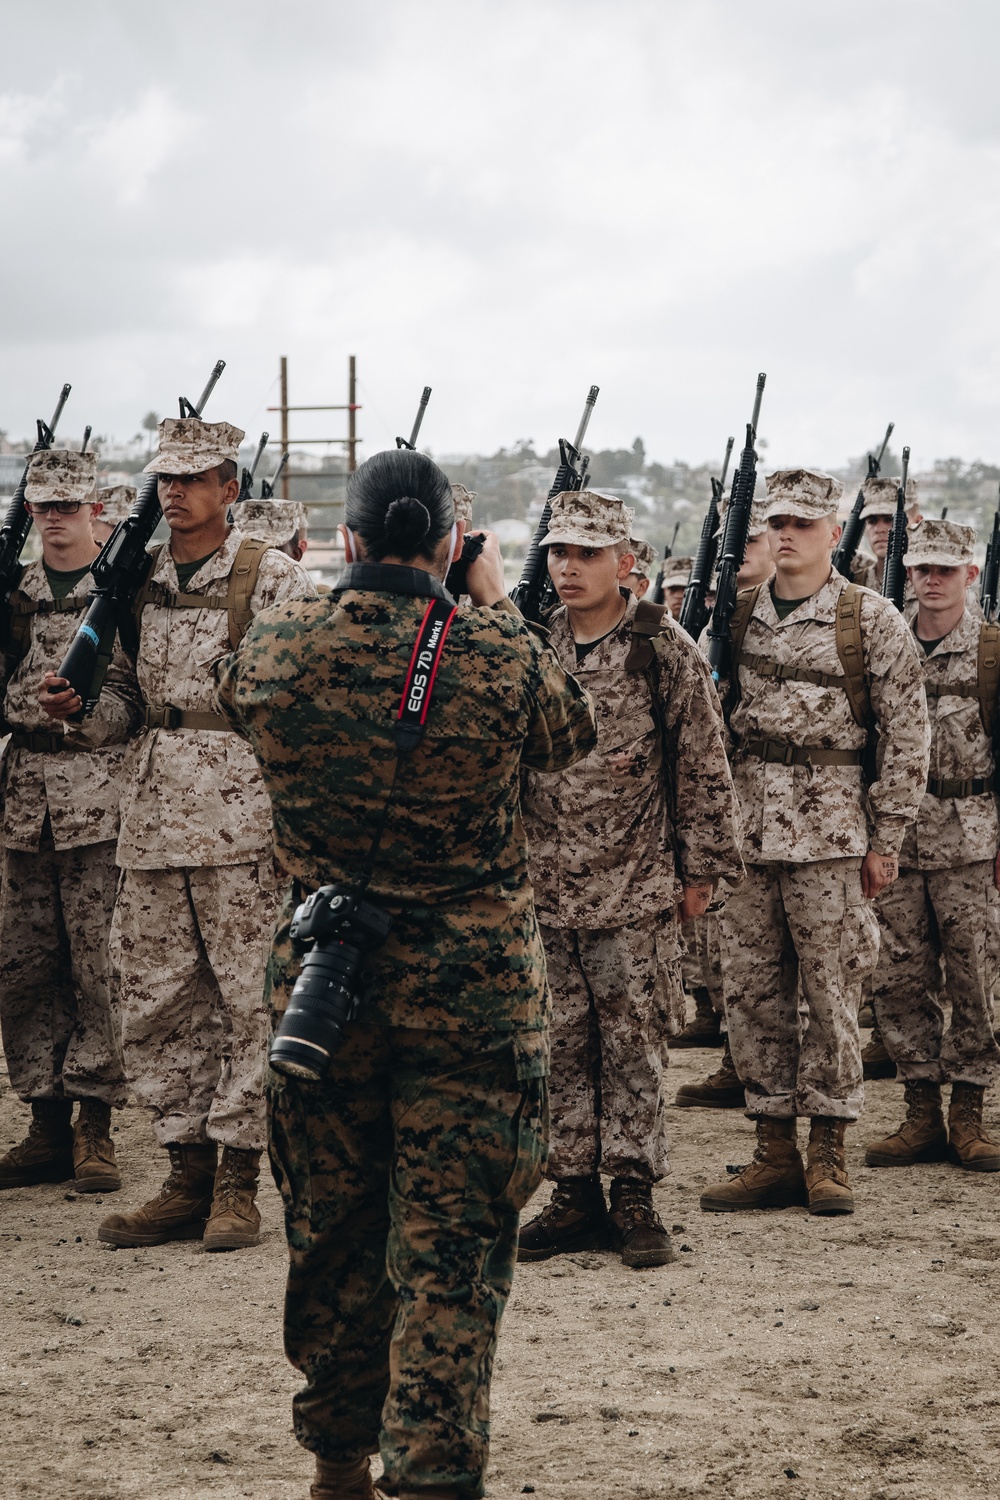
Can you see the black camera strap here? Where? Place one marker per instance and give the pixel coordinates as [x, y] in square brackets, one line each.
[414, 705]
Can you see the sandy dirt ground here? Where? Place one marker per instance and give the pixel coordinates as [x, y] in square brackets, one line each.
[778, 1356]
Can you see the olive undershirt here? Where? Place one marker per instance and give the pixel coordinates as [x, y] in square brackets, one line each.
[61, 584]
[186, 571]
[784, 607]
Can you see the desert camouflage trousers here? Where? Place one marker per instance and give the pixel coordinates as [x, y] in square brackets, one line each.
[798, 941]
[191, 946]
[402, 1176]
[610, 1014]
[58, 1002]
[925, 916]
[703, 958]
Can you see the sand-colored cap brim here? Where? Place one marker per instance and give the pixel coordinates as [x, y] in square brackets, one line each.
[178, 463]
[871, 511]
[572, 536]
[676, 580]
[808, 511]
[914, 558]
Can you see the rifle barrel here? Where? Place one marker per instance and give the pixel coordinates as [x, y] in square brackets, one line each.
[418, 421]
[588, 412]
[885, 444]
[63, 398]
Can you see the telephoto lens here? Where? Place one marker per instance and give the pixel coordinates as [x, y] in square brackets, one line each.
[336, 930]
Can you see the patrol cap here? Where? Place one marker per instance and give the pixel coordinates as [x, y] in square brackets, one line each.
[61, 474]
[677, 572]
[271, 520]
[645, 556]
[880, 495]
[589, 518]
[187, 445]
[801, 492]
[117, 500]
[463, 499]
[943, 544]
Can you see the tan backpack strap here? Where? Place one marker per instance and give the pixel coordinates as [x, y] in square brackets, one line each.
[242, 582]
[850, 650]
[988, 675]
[646, 622]
[145, 593]
[739, 620]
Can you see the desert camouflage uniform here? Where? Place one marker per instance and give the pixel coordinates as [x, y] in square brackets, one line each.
[799, 921]
[945, 904]
[403, 1172]
[608, 858]
[199, 893]
[58, 1005]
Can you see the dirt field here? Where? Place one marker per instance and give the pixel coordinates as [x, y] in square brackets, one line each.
[779, 1356]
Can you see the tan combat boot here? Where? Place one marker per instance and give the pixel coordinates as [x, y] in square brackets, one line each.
[774, 1179]
[826, 1168]
[576, 1218]
[46, 1153]
[94, 1167]
[234, 1223]
[921, 1137]
[875, 1059]
[720, 1090]
[180, 1209]
[968, 1144]
[348, 1481]
[704, 1030]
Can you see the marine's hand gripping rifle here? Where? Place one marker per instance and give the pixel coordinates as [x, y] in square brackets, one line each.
[894, 577]
[991, 571]
[411, 441]
[694, 610]
[850, 538]
[529, 593]
[734, 542]
[17, 521]
[119, 571]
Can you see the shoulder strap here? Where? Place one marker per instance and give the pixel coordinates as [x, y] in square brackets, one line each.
[242, 582]
[739, 620]
[145, 592]
[850, 650]
[988, 674]
[646, 622]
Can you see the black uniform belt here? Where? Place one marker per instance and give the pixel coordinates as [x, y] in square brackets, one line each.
[23, 739]
[165, 716]
[951, 786]
[780, 753]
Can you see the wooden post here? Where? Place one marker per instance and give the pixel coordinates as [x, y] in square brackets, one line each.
[352, 399]
[284, 424]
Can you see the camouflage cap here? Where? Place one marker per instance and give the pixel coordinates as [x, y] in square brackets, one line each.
[880, 495]
[463, 499]
[117, 500]
[677, 572]
[942, 544]
[757, 525]
[271, 520]
[645, 556]
[589, 518]
[190, 446]
[61, 474]
[808, 493]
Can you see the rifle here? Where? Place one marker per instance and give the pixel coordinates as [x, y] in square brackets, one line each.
[86, 438]
[17, 521]
[534, 589]
[267, 485]
[734, 541]
[247, 477]
[944, 512]
[894, 577]
[991, 571]
[694, 610]
[119, 571]
[656, 594]
[411, 442]
[850, 538]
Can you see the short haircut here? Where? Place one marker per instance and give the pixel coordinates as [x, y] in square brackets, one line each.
[226, 471]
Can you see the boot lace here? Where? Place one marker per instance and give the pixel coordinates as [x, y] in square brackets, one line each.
[635, 1209]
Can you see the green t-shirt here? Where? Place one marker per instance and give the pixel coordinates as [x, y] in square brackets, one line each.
[61, 585]
[929, 645]
[784, 607]
[186, 571]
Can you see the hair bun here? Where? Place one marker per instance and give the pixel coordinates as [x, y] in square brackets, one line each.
[407, 522]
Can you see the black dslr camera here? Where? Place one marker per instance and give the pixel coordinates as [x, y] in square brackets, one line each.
[336, 930]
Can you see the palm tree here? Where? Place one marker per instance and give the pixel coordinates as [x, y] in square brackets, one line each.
[150, 423]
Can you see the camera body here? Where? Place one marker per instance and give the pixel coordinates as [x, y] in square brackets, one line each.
[336, 929]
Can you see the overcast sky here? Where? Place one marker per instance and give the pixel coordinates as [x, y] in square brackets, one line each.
[508, 200]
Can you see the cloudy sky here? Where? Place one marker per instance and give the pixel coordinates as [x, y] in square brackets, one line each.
[508, 200]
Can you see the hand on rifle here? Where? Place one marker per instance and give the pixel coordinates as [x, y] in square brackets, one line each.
[485, 580]
[58, 699]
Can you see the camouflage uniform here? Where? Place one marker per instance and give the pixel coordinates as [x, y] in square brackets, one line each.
[945, 904]
[798, 937]
[199, 893]
[61, 789]
[609, 854]
[403, 1172]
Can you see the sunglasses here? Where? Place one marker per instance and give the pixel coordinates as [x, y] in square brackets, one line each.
[61, 507]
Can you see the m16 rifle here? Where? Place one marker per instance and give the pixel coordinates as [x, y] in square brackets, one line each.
[894, 577]
[991, 572]
[17, 521]
[694, 610]
[656, 593]
[534, 592]
[850, 538]
[411, 441]
[734, 542]
[119, 571]
[267, 486]
[248, 475]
